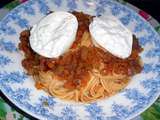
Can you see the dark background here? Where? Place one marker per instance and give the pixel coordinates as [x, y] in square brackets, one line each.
[150, 6]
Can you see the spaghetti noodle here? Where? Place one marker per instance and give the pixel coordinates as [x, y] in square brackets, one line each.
[85, 73]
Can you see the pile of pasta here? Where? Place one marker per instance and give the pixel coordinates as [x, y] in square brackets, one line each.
[85, 72]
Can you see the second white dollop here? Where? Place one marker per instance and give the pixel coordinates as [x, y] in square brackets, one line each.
[110, 34]
[54, 34]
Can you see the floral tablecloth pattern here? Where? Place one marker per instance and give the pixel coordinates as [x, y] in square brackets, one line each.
[9, 113]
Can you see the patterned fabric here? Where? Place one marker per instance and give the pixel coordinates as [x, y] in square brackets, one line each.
[95, 111]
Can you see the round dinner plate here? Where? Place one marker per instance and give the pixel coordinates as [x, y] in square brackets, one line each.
[141, 92]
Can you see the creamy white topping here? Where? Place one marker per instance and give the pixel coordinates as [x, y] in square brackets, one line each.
[54, 34]
[110, 34]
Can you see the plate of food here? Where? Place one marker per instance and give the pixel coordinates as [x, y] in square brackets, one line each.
[76, 60]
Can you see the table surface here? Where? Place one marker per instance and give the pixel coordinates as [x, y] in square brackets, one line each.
[9, 111]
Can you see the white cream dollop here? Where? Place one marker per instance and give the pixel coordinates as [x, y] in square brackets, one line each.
[54, 34]
[110, 34]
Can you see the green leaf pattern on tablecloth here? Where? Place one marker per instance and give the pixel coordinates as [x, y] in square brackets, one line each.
[12, 5]
[158, 28]
[3, 110]
[152, 113]
[6, 112]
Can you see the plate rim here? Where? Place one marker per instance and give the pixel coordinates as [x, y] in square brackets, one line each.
[115, 2]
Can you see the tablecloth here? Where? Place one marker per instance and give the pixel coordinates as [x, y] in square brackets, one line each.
[9, 113]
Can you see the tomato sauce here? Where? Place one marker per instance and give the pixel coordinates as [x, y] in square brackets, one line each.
[75, 66]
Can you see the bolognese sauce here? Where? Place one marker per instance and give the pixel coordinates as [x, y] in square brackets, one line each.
[76, 65]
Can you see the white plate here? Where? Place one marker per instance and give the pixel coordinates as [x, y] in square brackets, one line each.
[142, 91]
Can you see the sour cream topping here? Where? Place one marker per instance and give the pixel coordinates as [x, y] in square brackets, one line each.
[110, 34]
[54, 34]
